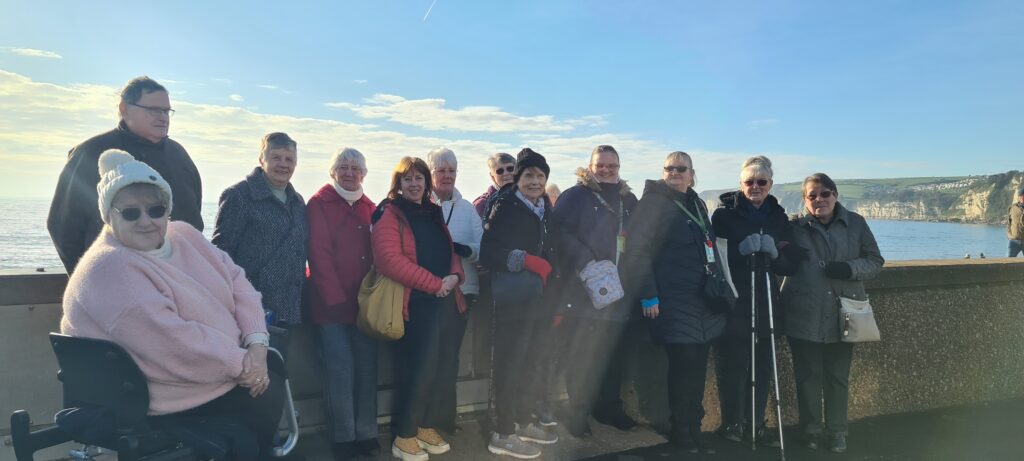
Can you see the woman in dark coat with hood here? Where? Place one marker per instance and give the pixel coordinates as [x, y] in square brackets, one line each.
[667, 246]
[755, 226]
[592, 216]
[519, 247]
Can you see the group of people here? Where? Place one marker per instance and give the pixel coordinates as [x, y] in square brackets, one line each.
[198, 316]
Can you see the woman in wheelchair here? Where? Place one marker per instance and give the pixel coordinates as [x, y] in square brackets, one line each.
[180, 307]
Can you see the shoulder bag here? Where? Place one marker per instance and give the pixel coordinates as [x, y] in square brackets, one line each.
[380, 303]
[857, 321]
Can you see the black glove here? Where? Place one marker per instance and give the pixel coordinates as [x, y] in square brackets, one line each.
[464, 251]
[838, 270]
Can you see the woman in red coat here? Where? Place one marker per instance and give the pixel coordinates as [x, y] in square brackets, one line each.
[339, 257]
[411, 245]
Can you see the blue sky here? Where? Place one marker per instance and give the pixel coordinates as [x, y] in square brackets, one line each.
[855, 89]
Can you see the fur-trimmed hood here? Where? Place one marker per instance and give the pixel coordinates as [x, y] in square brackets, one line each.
[586, 177]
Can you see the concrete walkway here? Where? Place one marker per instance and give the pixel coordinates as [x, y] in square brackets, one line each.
[983, 432]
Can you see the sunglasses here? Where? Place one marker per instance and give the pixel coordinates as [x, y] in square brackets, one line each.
[677, 169]
[823, 194]
[502, 170]
[759, 182]
[134, 213]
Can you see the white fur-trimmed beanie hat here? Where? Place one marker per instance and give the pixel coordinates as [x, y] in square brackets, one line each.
[118, 169]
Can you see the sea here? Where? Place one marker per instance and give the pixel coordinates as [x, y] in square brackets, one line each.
[25, 244]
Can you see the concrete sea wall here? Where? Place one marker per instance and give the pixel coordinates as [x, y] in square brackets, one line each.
[953, 333]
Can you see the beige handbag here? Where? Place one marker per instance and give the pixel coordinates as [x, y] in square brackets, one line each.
[380, 304]
[601, 281]
[857, 321]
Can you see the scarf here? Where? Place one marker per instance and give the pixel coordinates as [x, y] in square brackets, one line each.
[349, 196]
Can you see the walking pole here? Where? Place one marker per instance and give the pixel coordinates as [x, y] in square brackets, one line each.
[775, 366]
[753, 341]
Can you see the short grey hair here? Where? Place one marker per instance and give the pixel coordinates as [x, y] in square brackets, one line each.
[440, 157]
[350, 154]
[757, 165]
[498, 159]
[276, 140]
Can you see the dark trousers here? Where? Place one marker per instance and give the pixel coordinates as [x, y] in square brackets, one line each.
[822, 372]
[350, 382]
[733, 371]
[687, 371]
[417, 356]
[1014, 248]
[593, 364]
[441, 413]
[260, 414]
[518, 349]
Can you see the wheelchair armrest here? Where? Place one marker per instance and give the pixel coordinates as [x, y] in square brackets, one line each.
[275, 363]
[26, 442]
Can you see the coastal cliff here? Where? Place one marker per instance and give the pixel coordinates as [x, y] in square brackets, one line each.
[967, 199]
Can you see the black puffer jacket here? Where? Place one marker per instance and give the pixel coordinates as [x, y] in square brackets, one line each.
[513, 226]
[734, 221]
[664, 258]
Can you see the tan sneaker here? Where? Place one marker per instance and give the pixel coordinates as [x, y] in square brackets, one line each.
[408, 449]
[431, 441]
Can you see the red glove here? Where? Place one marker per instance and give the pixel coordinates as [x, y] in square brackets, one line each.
[539, 266]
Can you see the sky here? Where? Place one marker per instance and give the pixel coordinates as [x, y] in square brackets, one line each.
[864, 89]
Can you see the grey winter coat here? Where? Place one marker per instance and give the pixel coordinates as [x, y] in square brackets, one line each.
[810, 299]
[268, 239]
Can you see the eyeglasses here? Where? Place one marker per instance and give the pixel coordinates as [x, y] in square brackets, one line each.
[608, 166]
[822, 194]
[134, 213]
[677, 169]
[759, 182]
[502, 170]
[155, 111]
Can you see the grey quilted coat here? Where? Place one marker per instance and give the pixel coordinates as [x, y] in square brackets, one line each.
[810, 299]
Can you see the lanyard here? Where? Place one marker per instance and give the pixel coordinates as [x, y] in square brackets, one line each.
[709, 247]
[699, 219]
[620, 244]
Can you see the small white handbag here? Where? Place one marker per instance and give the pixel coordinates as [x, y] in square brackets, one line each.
[601, 280]
[857, 321]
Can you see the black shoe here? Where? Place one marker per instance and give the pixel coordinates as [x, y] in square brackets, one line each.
[809, 440]
[838, 444]
[579, 427]
[731, 432]
[615, 418]
[682, 439]
[767, 437]
[545, 417]
[368, 447]
[344, 451]
[704, 443]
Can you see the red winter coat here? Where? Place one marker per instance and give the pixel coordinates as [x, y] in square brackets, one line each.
[401, 265]
[339, 255]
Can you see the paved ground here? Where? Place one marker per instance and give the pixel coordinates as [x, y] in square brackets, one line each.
[984, 432]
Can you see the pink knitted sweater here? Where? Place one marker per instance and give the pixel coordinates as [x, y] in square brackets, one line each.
[182, 319]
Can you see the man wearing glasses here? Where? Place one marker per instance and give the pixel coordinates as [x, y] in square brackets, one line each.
[502, 167]
[145, 116]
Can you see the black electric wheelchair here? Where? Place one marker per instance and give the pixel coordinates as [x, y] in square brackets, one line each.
[99, 374]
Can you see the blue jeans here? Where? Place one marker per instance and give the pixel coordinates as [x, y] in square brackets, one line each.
[1014, 247]
[350, 370]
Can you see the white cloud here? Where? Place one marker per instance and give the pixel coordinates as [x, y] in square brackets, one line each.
[762, 123]
[226, 81]
[360, 82]
[269, 87]
[236, 98]
[42, 121]
[32, 52]
[432, 114]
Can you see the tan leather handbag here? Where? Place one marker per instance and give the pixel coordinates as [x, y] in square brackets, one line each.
[380, 303]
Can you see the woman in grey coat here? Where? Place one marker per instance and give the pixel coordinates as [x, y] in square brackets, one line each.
[842, 253]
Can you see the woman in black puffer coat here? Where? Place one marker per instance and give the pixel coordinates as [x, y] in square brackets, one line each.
[755, 225]
[665, 267]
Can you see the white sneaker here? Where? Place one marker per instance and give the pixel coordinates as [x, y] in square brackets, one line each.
[536, 434]
[512, 445]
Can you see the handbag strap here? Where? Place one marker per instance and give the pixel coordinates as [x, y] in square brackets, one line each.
[621, 215]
